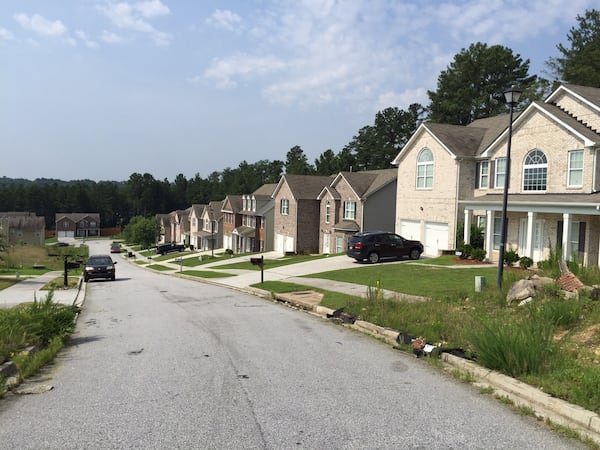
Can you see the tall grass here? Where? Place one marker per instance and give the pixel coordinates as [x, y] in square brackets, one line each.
[513, 347]
[35, 323]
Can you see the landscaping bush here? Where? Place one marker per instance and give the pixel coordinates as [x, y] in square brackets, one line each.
[478, 254]
[525, 262]
[511, 257]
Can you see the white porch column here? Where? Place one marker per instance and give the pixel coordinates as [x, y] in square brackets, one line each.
[489, 234]
[529, 239]
[467, 229]
[566, 236]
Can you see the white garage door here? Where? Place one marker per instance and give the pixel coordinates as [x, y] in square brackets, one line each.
[65, 234]
[436, 238]
[410, 229]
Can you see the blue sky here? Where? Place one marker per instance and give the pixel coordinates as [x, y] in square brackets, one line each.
[98, 89]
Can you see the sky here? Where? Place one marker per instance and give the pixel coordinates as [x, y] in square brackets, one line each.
[101, 89]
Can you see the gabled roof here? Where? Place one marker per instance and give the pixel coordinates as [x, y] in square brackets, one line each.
[589, 95]
[216, 206]
[77, 217]
[367, 182]
[265, 190]
[332, 191]
[555, 114]
[303, 187]
[197, 209]
[25, 223]
[232, 204]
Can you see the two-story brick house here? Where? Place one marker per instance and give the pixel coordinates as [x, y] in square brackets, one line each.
[232, 218]
[297, 213]
[455, 174]
[211, 226]
[77, 224]
[356, 201]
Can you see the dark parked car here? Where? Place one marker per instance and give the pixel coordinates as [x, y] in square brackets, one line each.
[163, 249]
[99, 266]
[376, 245]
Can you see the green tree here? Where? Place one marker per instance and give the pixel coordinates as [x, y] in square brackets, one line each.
[375, 146]
[327, 163]
[296, 162]
[580, 60]
[470, 87]
[143, 231]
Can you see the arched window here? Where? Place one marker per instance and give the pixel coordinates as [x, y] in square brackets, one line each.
[535, 171]
[425, 169]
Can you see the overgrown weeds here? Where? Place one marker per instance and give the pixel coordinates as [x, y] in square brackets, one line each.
[33, 324]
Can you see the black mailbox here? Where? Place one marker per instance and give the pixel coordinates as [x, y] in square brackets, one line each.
[256, 261]
[73, 265]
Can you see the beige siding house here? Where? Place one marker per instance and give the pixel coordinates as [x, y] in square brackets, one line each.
[450, 175]
[18, 228]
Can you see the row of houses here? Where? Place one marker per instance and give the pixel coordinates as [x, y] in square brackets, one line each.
[446, 177]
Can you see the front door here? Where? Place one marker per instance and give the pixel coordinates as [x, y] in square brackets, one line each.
[538, 239]
[326, 243]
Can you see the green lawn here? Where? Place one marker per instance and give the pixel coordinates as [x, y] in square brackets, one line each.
[417, 279]
[271, 263]
[207, 274]
[159, 267]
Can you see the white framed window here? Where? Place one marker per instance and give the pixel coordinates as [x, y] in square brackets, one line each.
[253, 206]
[350, 210]
[575, 170]
[500, 172]
[425, 169]
[481, 222]
[535, 171]
[327, 212]
[285, 207]
[484, 174]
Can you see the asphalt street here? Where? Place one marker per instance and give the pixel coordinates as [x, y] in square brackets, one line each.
[160, 362]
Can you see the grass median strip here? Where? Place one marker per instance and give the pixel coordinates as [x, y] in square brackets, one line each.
[206, 274]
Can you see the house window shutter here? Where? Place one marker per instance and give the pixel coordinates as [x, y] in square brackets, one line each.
[477, 172]
[581, 246]
[559, 232]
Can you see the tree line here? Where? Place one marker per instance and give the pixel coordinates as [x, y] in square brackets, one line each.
[468, 89]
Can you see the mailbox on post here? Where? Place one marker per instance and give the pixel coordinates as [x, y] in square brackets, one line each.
[261, 263]
[69, 265]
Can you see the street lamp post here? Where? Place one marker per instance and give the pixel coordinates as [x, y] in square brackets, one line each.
[512, 98]
[212, 234]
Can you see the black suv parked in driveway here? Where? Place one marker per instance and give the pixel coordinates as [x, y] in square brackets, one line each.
[376, 245]
[163, 249]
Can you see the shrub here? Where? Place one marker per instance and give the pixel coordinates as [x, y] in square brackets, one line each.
[478, 254]
[228, 251]
[525, 262]
[467, 250]
[511, 257]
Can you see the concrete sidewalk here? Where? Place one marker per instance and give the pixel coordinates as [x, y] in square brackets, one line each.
[30, 288]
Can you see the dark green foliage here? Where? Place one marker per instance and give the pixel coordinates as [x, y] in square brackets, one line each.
[469, 88]
[525, 262]
[580, 60]
[297, 163]
[478, 254]
[142, 231]
[510, 257]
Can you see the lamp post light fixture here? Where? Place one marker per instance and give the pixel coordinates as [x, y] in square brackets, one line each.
[212, 234]
[512, 98]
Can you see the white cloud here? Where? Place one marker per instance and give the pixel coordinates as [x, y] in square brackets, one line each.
[224, 70]
[85, 39]
[5, 35]
[152, 8]
[133, 18]
[225, 19]
[111, 38]
[40, 25]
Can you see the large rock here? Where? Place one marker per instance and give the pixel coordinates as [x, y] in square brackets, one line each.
[521, 290]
